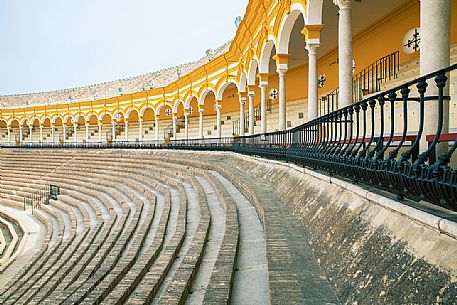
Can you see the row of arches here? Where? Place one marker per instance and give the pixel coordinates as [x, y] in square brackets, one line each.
[273, 56]
[207, 100]
[109, 126]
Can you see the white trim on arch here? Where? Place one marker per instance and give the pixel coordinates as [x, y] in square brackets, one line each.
[266, 55]
[222, 88]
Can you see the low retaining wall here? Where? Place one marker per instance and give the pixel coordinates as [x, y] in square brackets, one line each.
[373, 249]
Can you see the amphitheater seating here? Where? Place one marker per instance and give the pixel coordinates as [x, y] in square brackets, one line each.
[137, 230]
[164, 227]
[11, 237]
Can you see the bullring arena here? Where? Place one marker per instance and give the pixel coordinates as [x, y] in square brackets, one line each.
[310, 160]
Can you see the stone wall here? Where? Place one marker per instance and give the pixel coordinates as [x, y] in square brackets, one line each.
[373, 251]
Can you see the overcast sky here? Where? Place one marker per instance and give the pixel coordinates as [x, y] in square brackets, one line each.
[55, 44]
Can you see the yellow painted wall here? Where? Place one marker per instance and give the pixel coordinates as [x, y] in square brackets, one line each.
[148, 115]
[230, 100]
[162, 114]
[210, 100]
[297, 83]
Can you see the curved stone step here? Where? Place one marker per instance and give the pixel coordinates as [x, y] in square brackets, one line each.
[13, 242]
[251, 275]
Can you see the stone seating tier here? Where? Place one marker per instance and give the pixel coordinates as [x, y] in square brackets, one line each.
[174, 227]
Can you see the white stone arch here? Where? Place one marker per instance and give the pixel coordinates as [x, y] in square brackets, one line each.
[221, 90]
[266, 55]
[129, 111]
[32, 121]
[286, 29]
[157, 111]
[54, 119]
[44, 119]
[313, 12]
[252, 73]
[10, 121]
[189, 99]
[87, 118]
[243, 82]
[143, 110]
[176, 105]
[201, 101]
[118, 111]
[102, 116]
[65, 119]
[76, 118]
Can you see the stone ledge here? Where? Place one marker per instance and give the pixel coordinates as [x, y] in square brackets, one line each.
[442, 225]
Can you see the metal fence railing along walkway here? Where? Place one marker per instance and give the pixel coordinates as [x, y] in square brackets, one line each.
[373, 141]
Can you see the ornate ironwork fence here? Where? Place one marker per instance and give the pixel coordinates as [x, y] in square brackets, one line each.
[379, 141]
[328, 103]
[37, 198]
[375, 141]
[369, 80]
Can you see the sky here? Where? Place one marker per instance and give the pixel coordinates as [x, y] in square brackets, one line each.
[55, 44]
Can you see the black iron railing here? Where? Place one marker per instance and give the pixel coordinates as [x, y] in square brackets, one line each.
[119, 128]
[236, 125]
[328, 103]
[37, 198]
[168, 131]
[373, 141]
[258, 110]
[369, 80]
[257, 117]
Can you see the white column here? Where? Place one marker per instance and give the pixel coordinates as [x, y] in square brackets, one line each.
[175, 122]
[9, 134]
[312, 81]
[218, 120]
[126, 130]
[251, 113]
[200, 126]
[263, 107]
[242, 121]
[344, 52]
[64, 132]
[41, 134]
[99, 132]
[20, 134]
[87, 132]
[186, 125]
[75, 136]
[113, 131]
[156, 130]
[140, 132]
[52, 133]
[282, 98]
[31, 129]
[435, 21]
